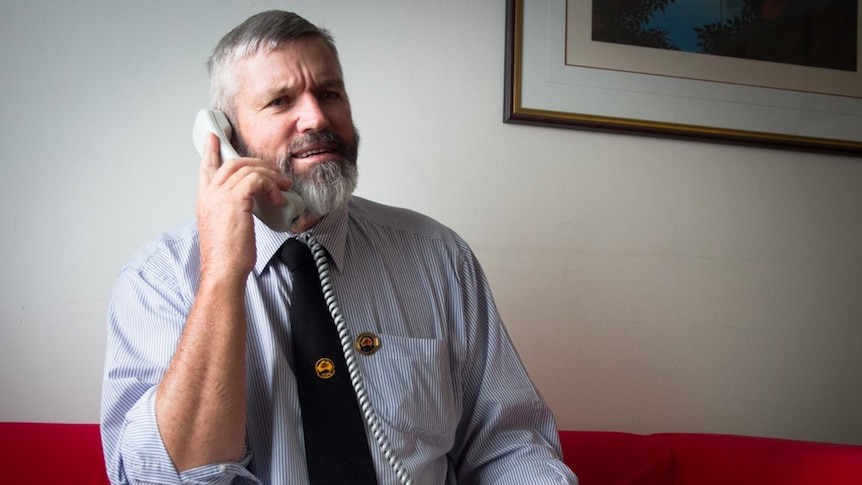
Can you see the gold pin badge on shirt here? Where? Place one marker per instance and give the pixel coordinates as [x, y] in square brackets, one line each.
[367, 343]
[325, 368]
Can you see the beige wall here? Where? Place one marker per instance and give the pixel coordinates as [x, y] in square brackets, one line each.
[650, 284]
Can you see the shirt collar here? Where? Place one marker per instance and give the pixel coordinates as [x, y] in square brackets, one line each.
[331, 232]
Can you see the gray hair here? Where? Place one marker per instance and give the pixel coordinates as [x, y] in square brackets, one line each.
[263, 32]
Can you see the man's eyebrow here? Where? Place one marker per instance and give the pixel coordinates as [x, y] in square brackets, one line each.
[279, 90]
[333, 83]
[289, 89]
[286, 89]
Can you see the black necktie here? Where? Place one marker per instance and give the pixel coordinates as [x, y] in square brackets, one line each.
[336, 447]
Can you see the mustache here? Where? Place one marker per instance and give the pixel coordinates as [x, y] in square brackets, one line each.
[317, 138]
[325, 137]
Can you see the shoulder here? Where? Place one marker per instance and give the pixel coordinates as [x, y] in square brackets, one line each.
[366, 214]
[172, 254]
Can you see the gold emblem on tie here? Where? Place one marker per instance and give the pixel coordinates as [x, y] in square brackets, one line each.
[367, 343]
[325, 368]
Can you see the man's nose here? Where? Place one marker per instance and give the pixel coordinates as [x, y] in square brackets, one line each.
[310, 116]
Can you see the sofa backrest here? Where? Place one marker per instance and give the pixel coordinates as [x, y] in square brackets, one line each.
[713, 459]
[71, 454]
[609, 458]
[51, 453]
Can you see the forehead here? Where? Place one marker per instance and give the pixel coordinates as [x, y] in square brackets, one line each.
[298, 64]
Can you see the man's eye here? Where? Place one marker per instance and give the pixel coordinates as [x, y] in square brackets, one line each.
[278, 102]
[329, 96]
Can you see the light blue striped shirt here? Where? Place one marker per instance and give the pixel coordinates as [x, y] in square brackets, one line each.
[450, 391]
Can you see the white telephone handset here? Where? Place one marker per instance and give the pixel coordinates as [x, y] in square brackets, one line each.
[278, 218]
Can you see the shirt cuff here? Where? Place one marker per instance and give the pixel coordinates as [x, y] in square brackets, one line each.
[145, 458]
[221, 473]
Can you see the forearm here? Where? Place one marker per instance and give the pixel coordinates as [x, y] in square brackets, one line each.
[200, 402]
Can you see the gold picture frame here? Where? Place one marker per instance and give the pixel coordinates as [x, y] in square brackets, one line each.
[542, 88]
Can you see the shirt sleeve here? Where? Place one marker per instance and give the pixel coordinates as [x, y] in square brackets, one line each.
[507, 434]
[145, 320]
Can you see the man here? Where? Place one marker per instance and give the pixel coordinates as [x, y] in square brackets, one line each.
[199, 380]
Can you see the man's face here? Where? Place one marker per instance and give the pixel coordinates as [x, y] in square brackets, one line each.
[292, 110]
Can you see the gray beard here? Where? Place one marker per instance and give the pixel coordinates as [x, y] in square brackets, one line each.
[327, 186]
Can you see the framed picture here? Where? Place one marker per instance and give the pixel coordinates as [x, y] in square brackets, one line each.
[653, 67]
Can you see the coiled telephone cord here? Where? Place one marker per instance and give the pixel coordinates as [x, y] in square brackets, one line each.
[318, 252]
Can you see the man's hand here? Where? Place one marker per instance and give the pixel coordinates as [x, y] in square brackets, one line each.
[225, 199]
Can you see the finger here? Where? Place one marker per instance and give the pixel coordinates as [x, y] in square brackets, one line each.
[259, 182]
[274, 184]
[235, 171]
[210, 159]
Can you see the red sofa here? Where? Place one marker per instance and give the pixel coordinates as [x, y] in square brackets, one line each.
[71, 454]
[600, 458]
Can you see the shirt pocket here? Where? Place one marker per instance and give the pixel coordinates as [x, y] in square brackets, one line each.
[410, 384]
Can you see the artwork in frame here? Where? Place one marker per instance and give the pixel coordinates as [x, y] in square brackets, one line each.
[665, 67]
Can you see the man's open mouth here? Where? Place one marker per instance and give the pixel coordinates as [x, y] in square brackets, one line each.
[311, 152]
